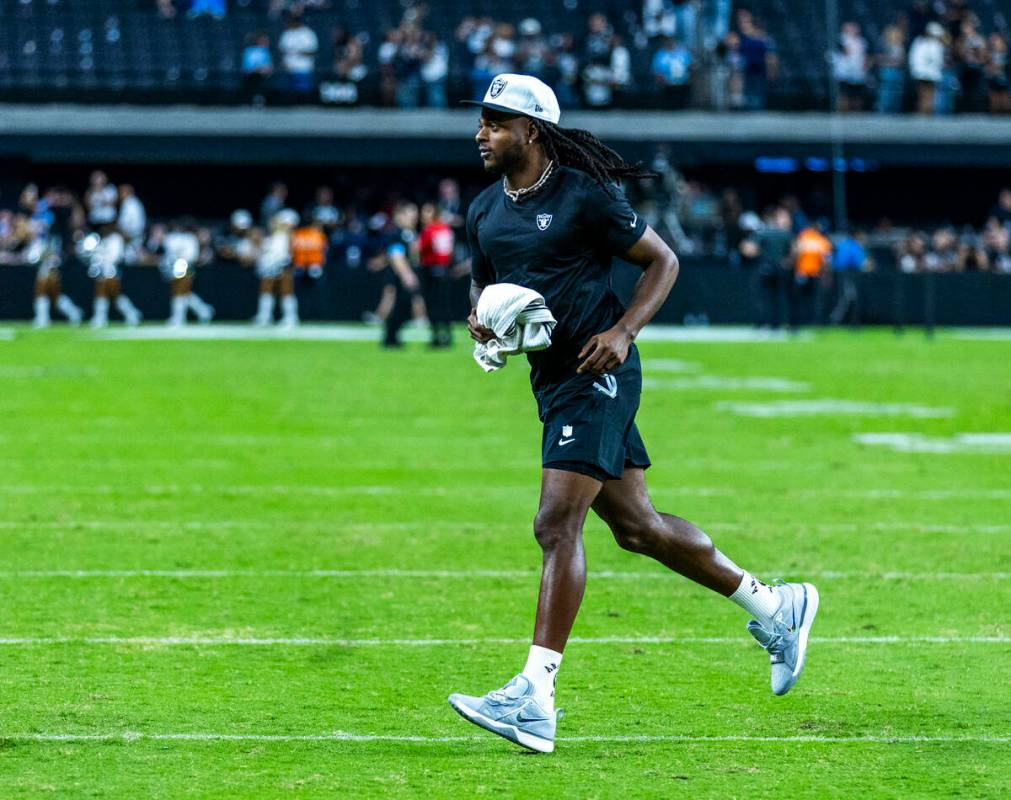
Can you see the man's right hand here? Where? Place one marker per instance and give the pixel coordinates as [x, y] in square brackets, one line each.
[478, 332]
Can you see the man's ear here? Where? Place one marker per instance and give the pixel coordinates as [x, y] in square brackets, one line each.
[533, 134]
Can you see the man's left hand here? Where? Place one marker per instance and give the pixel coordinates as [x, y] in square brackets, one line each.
[605, 351]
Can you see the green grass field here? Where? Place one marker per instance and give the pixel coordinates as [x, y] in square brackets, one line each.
[243, 569]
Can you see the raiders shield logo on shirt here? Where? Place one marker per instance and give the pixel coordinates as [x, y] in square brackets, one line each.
[497, 86]
[543, 220]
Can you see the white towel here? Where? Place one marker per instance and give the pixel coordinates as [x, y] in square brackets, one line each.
[521, 321]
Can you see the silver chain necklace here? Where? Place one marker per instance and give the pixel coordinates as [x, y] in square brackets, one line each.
[516, 194]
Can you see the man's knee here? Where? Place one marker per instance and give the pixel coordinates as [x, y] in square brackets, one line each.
[637, 535]
[554, 525]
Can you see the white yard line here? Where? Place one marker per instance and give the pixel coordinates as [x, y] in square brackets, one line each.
[959, 443]
[500, 490]
[337, 526]
[343, 736]
[468, 574]
[299, 641]
[361, 333]
[832, 407]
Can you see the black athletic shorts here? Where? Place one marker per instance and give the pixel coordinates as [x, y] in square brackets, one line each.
[589, 422]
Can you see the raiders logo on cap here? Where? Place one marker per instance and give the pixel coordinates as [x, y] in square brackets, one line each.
[497, 86]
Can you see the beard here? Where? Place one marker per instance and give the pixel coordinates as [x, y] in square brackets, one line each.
[506, 162]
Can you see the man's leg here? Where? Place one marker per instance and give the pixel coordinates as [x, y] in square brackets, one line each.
[566, 498]
[783, 614]
[677, 544]
[523, 711]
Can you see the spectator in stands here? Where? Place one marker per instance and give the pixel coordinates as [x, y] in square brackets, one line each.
[760, 62]
[998, 80]
[1002, 210]
[275, 201]
[911, 253]
[671, 70]
[971, 54]
[685, 14]
[449, 203]
[562, 57]
[257, 67]
[407, 66]
[235, 243]
[598, 40]
[100, 200]
[434, 71]
[849, 68]
[323, 209]
[891, 62]
[531, 48]
[386, 56]
[212, 8]
[926, 65]
[996, 239]
[298, 45]
[715, 22]
[132, 217]
[166, 8]
[349, 67]
[606, 70]
[727, 76]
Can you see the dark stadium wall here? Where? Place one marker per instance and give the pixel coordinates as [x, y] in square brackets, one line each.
[706, 292]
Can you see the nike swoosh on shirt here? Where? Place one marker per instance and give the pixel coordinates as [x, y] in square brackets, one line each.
[635, 218]
[564, 442]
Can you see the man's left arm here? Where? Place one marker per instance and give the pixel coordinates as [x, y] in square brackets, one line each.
[609, 349]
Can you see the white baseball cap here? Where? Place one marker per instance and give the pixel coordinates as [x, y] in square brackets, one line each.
[520, 94]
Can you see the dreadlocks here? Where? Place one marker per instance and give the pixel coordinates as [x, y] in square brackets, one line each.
[571, 147]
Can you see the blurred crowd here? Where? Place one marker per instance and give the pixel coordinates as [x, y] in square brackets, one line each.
[935, 56]
[938, 51]
[409, 246]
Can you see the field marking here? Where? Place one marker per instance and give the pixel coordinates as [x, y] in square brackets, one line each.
[719, 383]
[670, 365]
[308, 641]
[467, 574]
[7, 335]
[960, 443]
[344, 736]
[833, 407]
[365, 527]
[361, 333]
[446, 491]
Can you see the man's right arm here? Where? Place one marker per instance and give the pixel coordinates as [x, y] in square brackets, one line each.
[480, 276]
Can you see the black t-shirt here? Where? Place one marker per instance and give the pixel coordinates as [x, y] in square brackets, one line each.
[560, 243]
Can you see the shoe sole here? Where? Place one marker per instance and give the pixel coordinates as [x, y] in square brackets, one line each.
[811, 601]
[510, 732]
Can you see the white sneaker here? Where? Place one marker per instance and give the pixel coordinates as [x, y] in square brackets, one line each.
[786, 643]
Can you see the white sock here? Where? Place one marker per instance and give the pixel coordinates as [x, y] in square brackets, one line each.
[68, 308]
[289, 305]
[42, 310]
[265, 311]
[128, 310]
[101, 315]
[757, 598]
[542, 671]
[178, 311]
[203, 311]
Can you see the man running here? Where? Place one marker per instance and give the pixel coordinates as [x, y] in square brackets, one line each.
[553, 224]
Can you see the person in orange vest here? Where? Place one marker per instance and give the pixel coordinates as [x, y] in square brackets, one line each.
[308, 253]
[813, 251]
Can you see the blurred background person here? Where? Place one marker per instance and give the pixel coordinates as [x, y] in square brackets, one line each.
[273, 268]
[180, 258]
[891, 63]
[308, 257]
[436, 246]
[103, 252]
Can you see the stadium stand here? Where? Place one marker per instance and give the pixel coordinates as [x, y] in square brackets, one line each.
[143, 51]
